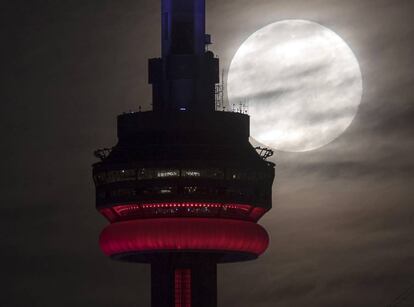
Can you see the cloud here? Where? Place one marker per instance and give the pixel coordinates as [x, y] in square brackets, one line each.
[342, 219]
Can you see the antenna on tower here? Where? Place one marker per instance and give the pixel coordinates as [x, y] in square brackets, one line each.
[219, 93]
[246, 107]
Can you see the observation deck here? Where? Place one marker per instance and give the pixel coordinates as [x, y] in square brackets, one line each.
[181, 167]
[181, 164]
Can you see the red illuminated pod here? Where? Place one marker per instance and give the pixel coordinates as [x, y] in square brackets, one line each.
[182, 234]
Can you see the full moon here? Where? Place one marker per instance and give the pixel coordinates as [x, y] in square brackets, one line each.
[302, 84]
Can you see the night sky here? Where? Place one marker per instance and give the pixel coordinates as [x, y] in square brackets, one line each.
[342, 221]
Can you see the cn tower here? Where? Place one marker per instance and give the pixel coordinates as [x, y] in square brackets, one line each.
[183, 188]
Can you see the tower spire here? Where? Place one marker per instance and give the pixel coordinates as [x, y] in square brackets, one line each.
[184, 78]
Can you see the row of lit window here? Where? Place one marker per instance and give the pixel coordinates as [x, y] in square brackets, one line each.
[133, 211]
[132, 192]
[148, 173]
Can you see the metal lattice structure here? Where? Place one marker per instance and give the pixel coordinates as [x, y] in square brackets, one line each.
[264, 152]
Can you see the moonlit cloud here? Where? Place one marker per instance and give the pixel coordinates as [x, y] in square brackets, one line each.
[302, 82]
[342, 221]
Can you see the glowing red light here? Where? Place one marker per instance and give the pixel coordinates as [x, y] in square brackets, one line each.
[134, 211]
[182, 287]
[109, 214]
[256, 213]
[184, 234]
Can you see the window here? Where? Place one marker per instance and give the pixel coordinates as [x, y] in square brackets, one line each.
[128, 174]
[113, 176]
[119, 193]
[213, 173]
[100, 178]
[190, 189]
[204, 173]
[146, 173]
[191, 173]
[167, 173]
[121, 175]
[165, 190]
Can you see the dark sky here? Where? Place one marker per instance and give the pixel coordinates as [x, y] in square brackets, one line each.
[343, 218]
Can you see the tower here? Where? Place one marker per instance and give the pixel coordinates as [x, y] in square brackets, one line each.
[183, 188]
